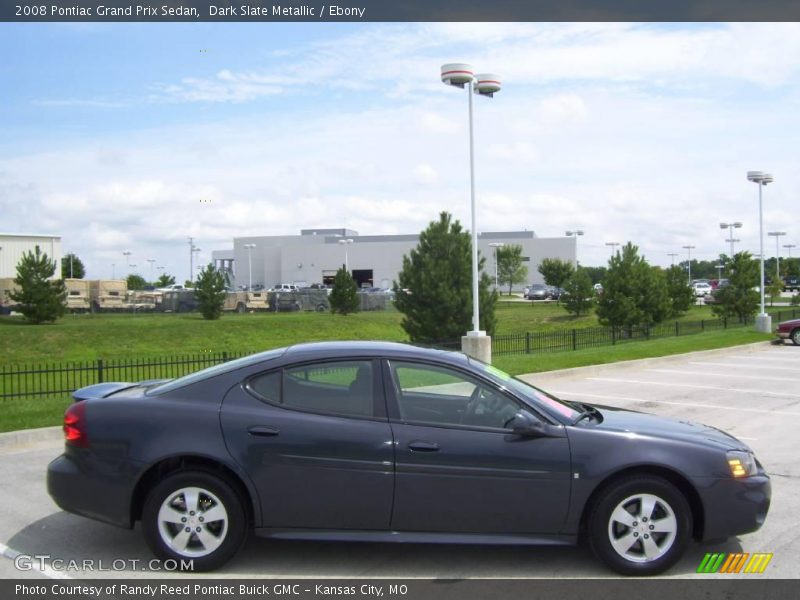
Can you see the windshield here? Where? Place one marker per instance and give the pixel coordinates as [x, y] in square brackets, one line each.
[526, 390]
[219, 369]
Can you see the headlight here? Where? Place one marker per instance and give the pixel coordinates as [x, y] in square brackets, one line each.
[742, 464]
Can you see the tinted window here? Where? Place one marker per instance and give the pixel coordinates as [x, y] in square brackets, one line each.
[442, 396]
[344, 388]
[268, 386]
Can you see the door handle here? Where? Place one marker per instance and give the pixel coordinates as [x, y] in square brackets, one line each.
[263, 431]
[423, 447]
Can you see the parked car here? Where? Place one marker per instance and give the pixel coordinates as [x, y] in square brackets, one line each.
[284, 287]
[173, 287]
[791, 284]
[789, 330]
[377, 441]
[701, 289]
[538, 291]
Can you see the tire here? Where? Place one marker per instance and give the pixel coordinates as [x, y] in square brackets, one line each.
[795, 337]
[211, 544]
[241, 308]
[618, 527]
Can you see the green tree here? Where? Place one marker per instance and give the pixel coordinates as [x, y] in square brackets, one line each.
[209, 292]
[578, 297]
[680, 294]
[135, 282]
[596, 273]
[634, 293]
[72, 267]
[773, 290]
[164, 280]
[344, 295]
[434, 288]
[510, 269]
[38, 298]
[555, 271]
[739, 299]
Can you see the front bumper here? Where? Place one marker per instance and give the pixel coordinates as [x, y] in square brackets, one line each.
[84, 491]
[734, 506]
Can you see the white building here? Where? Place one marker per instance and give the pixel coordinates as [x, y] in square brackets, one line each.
[315, 255]
[14, 245]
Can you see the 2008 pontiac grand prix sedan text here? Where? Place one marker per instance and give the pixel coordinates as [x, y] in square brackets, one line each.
[389, 442]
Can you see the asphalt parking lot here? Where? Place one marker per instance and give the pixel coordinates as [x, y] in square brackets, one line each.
[750, 392]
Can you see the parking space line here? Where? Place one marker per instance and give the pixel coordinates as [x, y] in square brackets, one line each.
[770, 357]
[12, 554]
[565, 393]
[734, 366]
[694, 386]
[705, 374]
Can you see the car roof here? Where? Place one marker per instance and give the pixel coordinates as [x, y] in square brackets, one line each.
[372, 348]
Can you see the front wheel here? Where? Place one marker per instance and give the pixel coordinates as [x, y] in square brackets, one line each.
[640, 526]
[194, 516]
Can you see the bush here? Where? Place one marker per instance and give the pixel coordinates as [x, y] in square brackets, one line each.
[39, 299]
[210, 292]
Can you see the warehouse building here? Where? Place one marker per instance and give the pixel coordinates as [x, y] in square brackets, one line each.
[374, 260]
[14, 245]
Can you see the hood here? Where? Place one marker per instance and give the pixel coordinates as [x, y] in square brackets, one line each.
[629, 421]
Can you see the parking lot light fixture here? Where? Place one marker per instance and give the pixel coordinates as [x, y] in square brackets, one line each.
[672, 255]
[346, 243]
[496, 245]
[249, 265]
[575, 233]
[789, 249]
[613, 247]
[689, 250]
[462, 76]
[730, 227]
[763, 321]
[777, 235]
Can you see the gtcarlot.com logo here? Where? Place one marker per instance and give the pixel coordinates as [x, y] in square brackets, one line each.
[734, 563]
[41, 562]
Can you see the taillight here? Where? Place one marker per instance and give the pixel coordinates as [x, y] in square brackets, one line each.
[75, 425]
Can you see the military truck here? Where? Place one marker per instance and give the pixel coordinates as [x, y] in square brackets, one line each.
[303, 299]
[108, 295]
[142, 300]
[78, 295]
[242, 302]
[178, 301]
[7, 285]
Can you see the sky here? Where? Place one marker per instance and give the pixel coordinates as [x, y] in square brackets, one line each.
[134, 137]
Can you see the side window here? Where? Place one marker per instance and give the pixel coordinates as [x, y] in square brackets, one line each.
[344, 388]
[442, 396]
[268, 386]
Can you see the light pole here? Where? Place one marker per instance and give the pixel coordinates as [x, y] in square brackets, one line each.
[719, 271]
[127, 260]
[730, 227]
[763, 320]
[346, 243]
[575, 234]
[777, 235]
[689, 250]
[613, 247]
[787, 246]
[672, 255]
[462, 76]
[249, 265]
[151, 261]
[496, 245]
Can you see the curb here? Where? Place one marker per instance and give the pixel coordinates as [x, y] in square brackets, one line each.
[590, 370]
[23, 437]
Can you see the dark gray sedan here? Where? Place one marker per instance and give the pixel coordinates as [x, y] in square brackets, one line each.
[389, 442]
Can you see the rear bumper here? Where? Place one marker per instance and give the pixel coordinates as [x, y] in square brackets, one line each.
[735, 506]
[74, 490]
[783, 334]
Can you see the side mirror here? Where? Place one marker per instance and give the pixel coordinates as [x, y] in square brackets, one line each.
[525, 424]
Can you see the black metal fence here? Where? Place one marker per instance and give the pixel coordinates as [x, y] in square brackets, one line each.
[45, 380]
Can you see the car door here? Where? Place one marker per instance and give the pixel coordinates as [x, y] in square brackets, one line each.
[316, 442]
[458, 469]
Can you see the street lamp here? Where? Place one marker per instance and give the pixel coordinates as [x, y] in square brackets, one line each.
[672, 255]
[127, 259]
[575, 234]
[689, 250]
[346, 243]
[151, 261]
[462, 76]
[613, 247]
[777, 235]
[719, 271]
[787, 246]
[730, 227]
[496, 245]
[249, 265]
[763, 320]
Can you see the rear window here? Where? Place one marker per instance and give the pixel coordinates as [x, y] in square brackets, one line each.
[219, 369]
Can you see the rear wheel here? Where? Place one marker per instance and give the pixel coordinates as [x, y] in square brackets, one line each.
[194, 516]
[640, 526]
[241, 308]
[796, 337]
